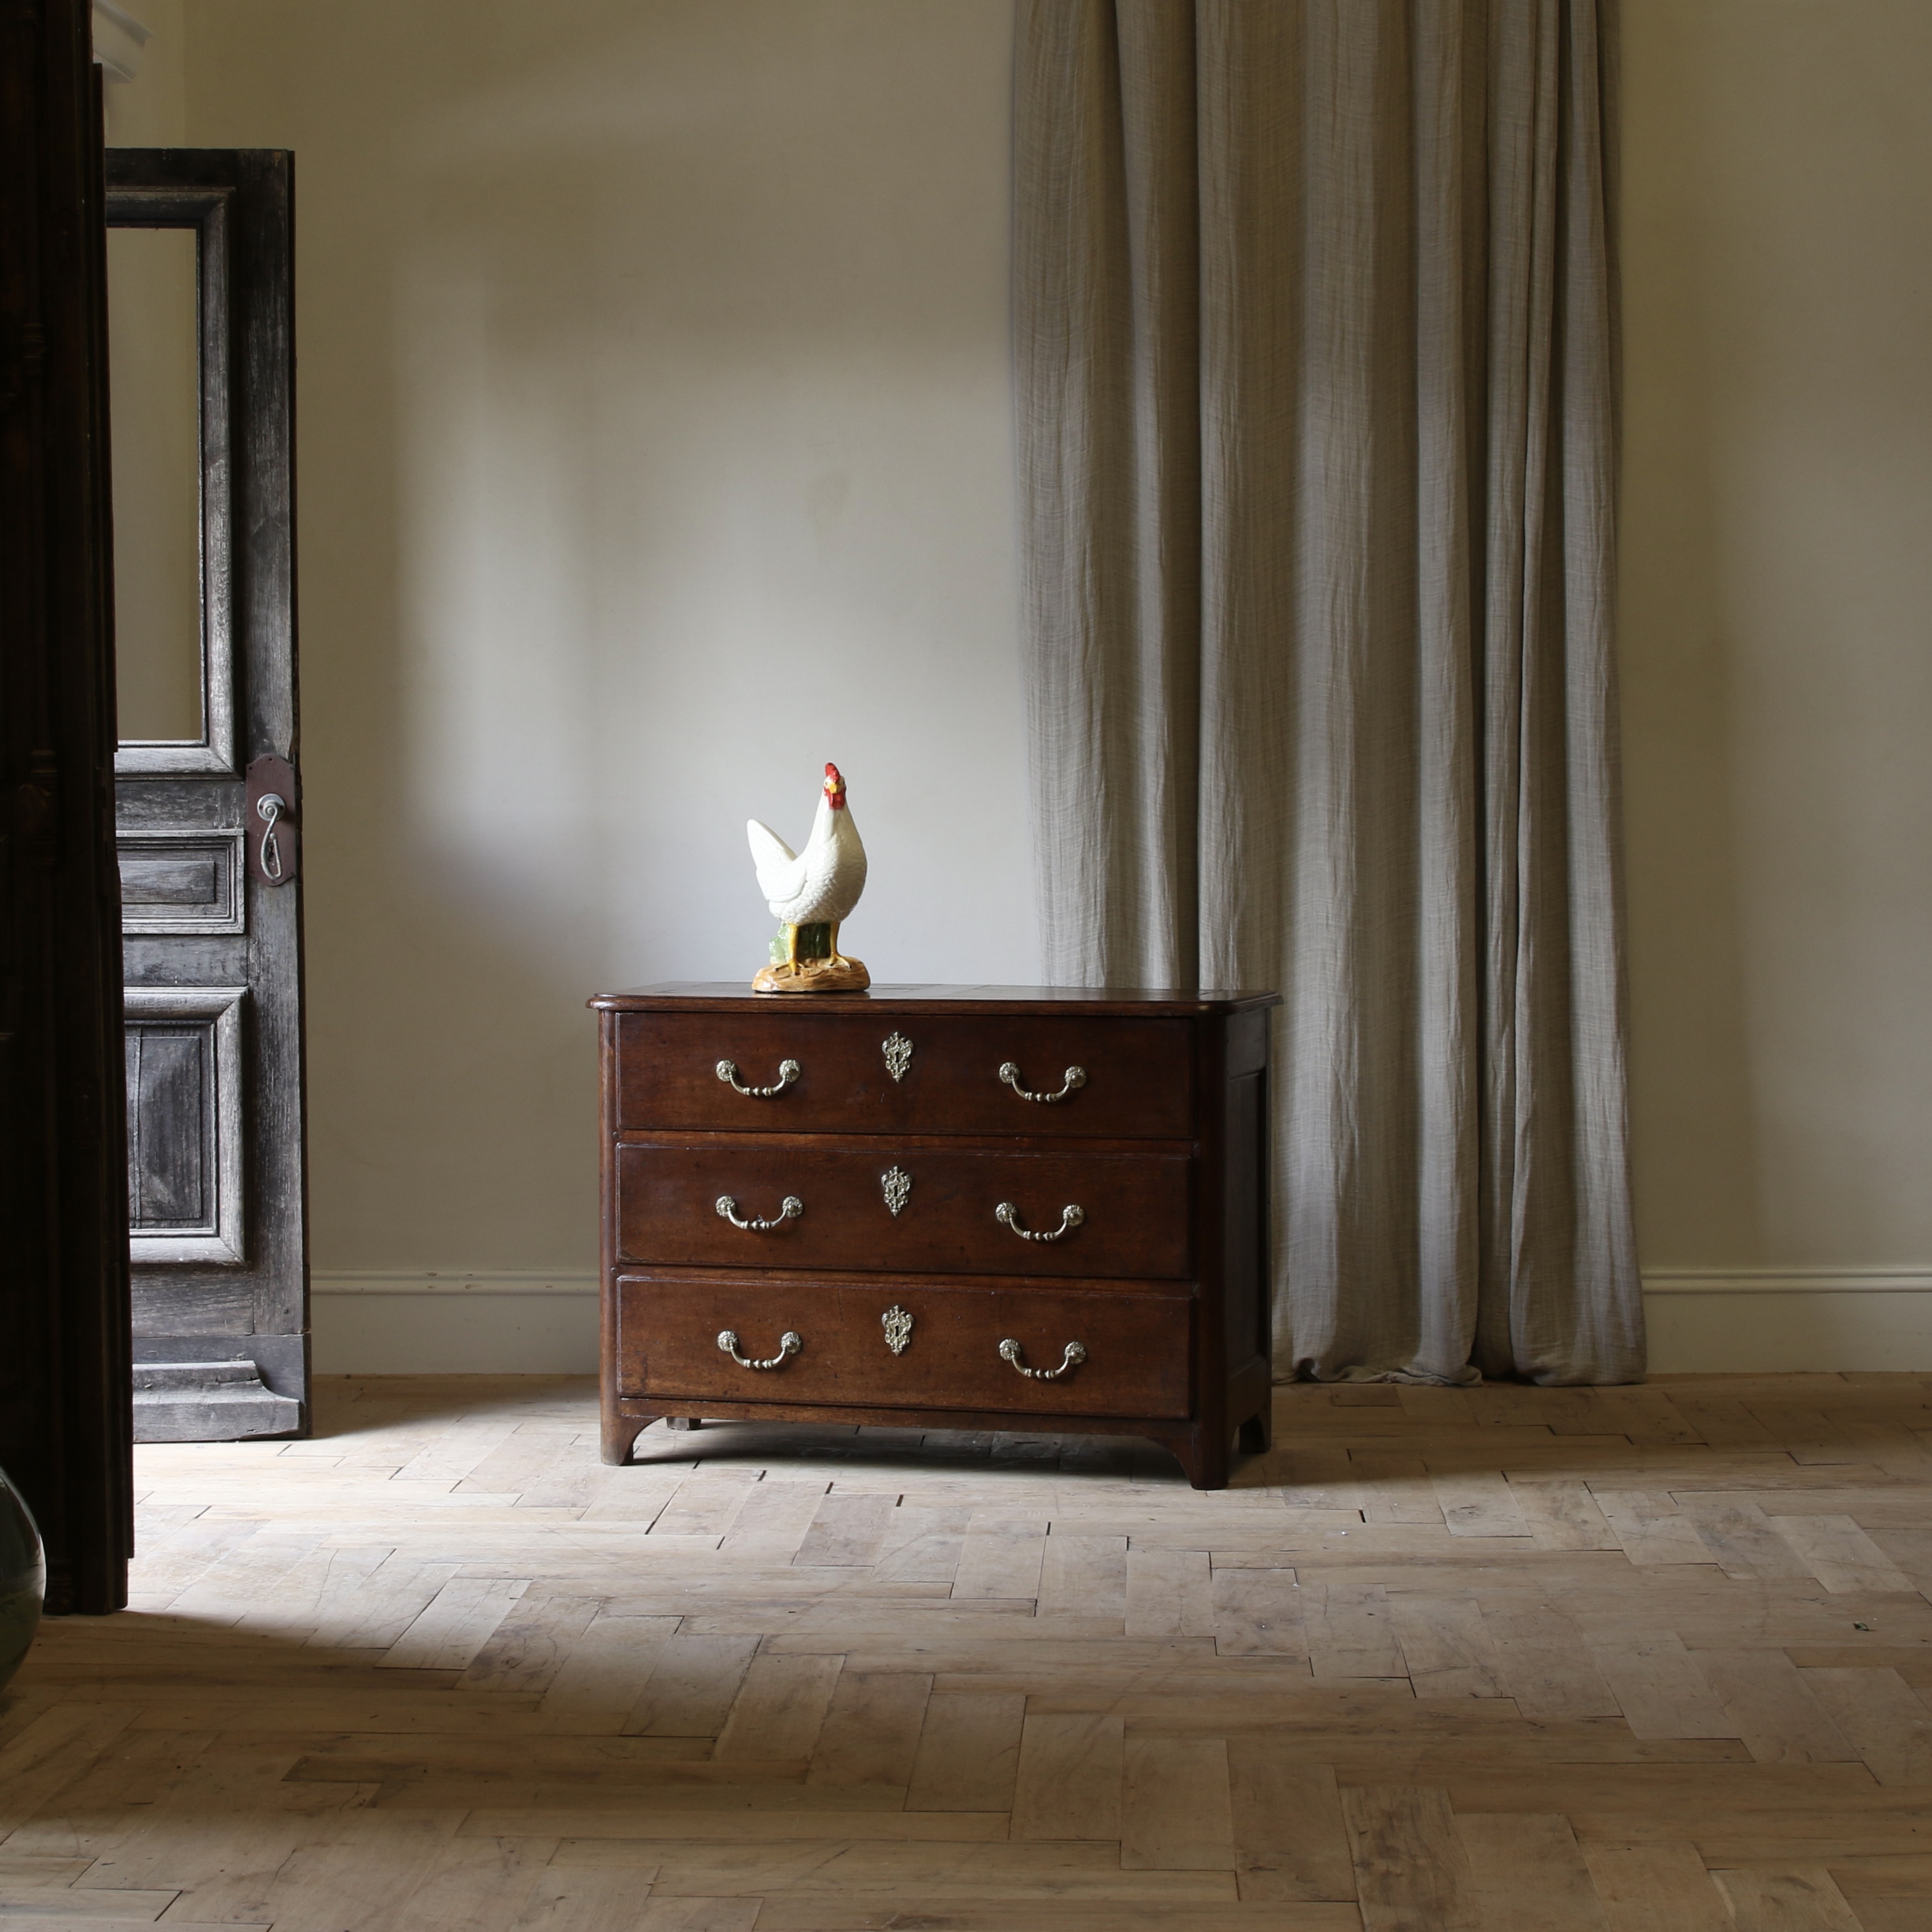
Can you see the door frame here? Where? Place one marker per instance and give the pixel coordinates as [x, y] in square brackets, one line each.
[65, 1398]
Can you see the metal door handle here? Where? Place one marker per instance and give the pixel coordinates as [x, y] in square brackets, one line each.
[1071, 1081]
[1076, 1353]
[1070, 1218]
[790, 1209]
[788, 1344]
[268, 808]
[271, 807]
[788, 1071]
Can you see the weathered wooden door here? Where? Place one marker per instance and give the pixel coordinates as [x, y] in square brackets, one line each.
[200, 328]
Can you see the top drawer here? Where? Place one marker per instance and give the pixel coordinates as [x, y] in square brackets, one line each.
[864, 1071]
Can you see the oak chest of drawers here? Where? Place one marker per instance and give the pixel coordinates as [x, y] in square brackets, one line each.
[965, 1206]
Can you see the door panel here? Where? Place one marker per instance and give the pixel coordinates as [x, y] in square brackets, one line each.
[181, 882]
[212, 948]
[186, 1120]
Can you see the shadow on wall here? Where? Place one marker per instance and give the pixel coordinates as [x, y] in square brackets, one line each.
[656, 448]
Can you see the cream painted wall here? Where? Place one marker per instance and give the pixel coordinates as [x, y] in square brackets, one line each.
[1777, 625]
[150, 110]
[155, 404]
[654, 448]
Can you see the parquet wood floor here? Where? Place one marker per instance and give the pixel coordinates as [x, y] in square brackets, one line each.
[1498, 1660]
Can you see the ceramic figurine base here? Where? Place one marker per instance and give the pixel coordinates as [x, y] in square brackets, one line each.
[814, 976]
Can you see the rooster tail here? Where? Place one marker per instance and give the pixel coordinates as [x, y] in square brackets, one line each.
[779, 869]
[767, 848]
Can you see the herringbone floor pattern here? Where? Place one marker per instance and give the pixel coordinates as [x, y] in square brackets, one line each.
[1501, 1659]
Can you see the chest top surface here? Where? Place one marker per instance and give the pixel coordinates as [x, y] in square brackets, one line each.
[725, 996]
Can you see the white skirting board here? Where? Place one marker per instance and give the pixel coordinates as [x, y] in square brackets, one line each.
[1743, 1320]
[1705, 1321]
[449, 1322]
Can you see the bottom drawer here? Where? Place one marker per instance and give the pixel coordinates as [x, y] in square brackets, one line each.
[1130, 1355]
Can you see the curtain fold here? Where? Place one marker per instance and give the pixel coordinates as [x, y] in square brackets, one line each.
[1315, 309]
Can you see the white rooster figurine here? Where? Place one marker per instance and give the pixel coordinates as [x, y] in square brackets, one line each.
[818, 887]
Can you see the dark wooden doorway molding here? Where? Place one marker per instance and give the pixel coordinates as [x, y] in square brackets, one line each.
[65, 1407]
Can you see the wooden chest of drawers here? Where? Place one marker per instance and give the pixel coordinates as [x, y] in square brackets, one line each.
[965, 1207]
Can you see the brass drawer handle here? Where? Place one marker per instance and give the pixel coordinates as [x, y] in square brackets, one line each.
[1009, 1351]
[788, 1071]
[788, 1344]
[1071, 1081]
[1070, 1218]
[790, 1209]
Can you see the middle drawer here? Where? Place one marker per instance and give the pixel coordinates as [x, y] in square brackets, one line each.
[934, 1211]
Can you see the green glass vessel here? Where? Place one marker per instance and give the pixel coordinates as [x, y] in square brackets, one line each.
[23, 1579]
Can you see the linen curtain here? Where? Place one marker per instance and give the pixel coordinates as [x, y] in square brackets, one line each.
[1316, 344]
